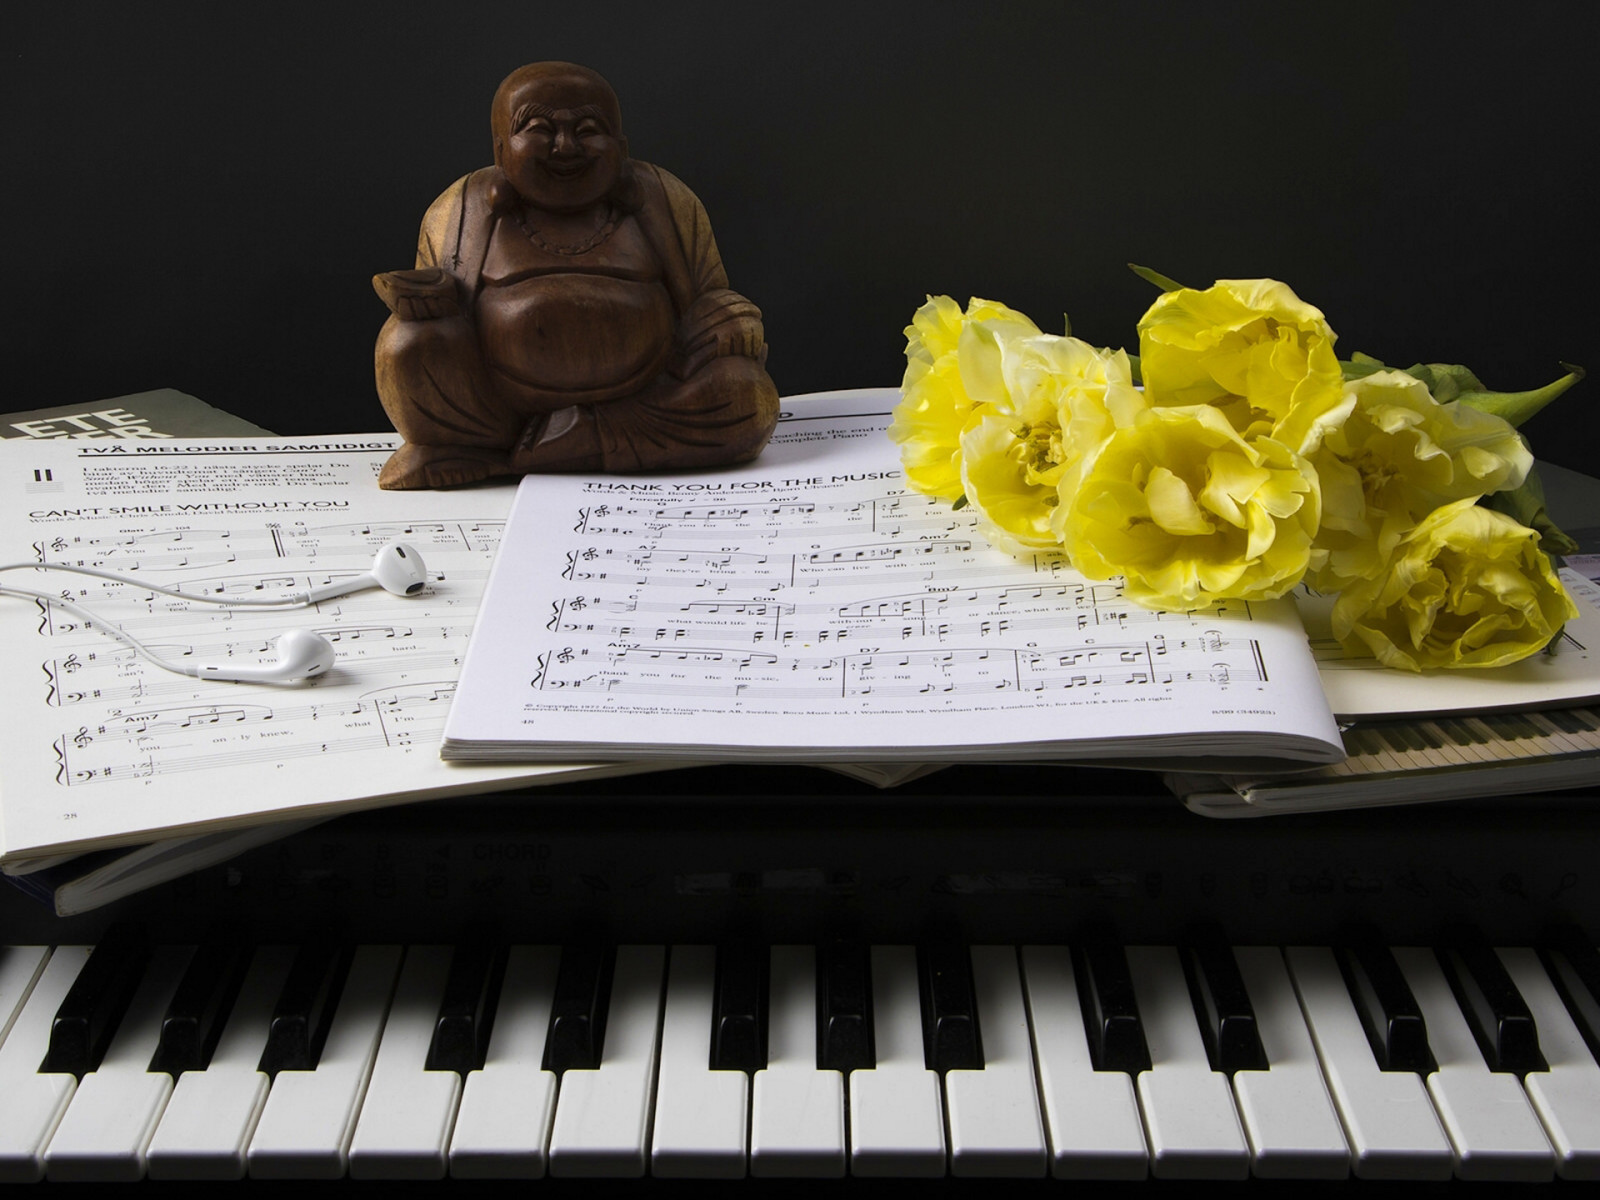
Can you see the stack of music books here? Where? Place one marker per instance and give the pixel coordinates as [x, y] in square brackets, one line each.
[1456, 735]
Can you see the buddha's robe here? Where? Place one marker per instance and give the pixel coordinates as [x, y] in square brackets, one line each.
[569, 360]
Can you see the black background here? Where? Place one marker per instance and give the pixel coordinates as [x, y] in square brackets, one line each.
[198, 194]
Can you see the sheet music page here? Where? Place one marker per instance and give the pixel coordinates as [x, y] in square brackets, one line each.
[100, 747]
[809, 606]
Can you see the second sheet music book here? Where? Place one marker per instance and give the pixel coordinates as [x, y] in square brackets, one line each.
[810, 607]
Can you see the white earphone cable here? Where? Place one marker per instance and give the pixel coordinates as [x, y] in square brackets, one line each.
[291, 601]
[77, 610]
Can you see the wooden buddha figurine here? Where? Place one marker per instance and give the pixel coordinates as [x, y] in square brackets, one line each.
[568, 310]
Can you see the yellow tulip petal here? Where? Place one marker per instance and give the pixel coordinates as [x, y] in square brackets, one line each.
[1173, 506]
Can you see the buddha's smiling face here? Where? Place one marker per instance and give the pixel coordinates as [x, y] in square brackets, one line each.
[558, 139]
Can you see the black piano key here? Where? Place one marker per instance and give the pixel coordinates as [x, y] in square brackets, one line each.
[200, 1007]
[1508, 726]
[1565, 721]
[1495, 1011]
[578, 1013]
[94, 1006]
[1464, 734]
[466, 1013]
[305, 1007]
[1389, 1012]
[1573, 964]
[739, 1010]
[844, 1008]
[1360, 740]
[1411, 736]
[950, 1032]
[1432, 736]
[1522, 727]
[1394, 736]
[1110, 1008]
[1222, 1006]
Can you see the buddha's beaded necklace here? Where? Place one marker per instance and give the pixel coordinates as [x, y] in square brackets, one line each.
[607, 228]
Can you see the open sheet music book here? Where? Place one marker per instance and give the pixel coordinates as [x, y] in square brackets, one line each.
[100, 749]
[809, 607]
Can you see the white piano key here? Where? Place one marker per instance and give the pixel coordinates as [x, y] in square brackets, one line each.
[403, 1131]
[109, 1123]
[1387, 1116]
[20, 967]
[1189, 1113]
[1445, 750]
[995, 1127]
[1288, 1115]
[1567, 1095]
[212, 1114]
[896, 1110]
[1560, 740]
[701, 1115]
[1091, 1117]
[1491, 1125]
[602, 1121]
[503, 1126]
[796, 1110]
[1522, 744]
[1471, 752]
[31, 1104]
[304, 1131]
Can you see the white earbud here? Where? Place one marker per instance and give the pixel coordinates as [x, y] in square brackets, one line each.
[397, 569]
[301, 654]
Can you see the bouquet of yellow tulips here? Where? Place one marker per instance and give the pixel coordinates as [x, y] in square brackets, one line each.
[1250, 461]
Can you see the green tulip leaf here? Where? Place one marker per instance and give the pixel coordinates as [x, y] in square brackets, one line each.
[1518, 407]
[1360, 365]
[1526, 506]
[1447, 381]
[1156, 277]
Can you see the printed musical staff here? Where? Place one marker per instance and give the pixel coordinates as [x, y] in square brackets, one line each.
[717, 602]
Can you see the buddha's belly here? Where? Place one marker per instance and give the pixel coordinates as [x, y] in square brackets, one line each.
[576, 337]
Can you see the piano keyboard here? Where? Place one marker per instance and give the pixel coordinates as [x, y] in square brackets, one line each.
[1201, 1061]
[1411, 761]
[1467, 742]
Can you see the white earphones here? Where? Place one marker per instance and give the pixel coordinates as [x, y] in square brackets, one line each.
[300, 653]
[397, 569]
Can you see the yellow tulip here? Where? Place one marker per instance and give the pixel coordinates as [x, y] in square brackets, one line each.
[1399, 455]
[1468, 587]
[1189, 512]
[935, 402]
[1058, 401]
[1249, 347]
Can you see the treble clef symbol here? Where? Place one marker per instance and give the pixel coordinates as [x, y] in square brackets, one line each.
[82, 737]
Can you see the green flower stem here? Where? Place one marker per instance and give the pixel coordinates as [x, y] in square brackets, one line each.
[1517, 407]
